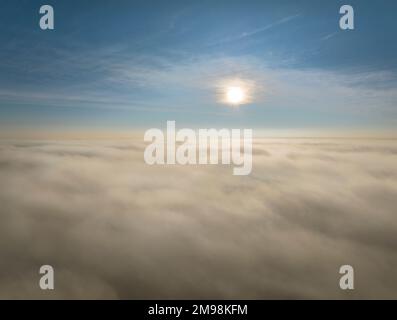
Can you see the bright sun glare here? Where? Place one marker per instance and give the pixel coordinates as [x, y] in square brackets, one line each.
[235, 95]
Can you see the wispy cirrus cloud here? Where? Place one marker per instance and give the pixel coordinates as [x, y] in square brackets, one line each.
[256, 31]
[191, 83]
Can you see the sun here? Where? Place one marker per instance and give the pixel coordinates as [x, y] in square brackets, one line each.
[235, 95]
[235, 92]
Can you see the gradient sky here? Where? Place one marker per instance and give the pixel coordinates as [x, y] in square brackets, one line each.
[136, 64]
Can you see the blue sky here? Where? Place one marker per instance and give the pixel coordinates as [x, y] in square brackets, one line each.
[136, 64]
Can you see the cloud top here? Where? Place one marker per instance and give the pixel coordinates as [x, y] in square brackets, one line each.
[114, 227]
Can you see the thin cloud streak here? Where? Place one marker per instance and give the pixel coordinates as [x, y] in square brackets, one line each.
[254, 32]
